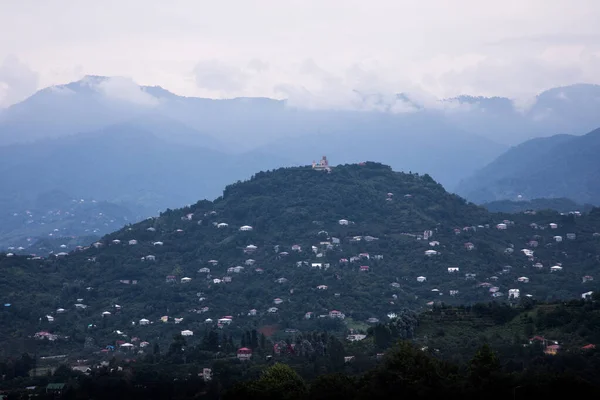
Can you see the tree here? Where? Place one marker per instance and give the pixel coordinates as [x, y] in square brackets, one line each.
[483, 366]
[332, 386]
[336, 353]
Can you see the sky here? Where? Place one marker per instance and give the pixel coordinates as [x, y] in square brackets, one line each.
[316, 53]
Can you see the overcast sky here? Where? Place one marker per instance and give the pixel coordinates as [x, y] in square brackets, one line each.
[322, 49]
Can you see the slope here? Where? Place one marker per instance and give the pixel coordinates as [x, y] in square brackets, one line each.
[122, 164]
[354, 240]
[559, 166]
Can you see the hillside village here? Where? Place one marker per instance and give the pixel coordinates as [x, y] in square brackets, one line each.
[293, 250]
[58, 223]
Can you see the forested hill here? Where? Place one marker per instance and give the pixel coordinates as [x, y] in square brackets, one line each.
[356, 245]
[558, 166]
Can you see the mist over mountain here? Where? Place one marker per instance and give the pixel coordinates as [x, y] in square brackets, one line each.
[110, 139]
[558, 166]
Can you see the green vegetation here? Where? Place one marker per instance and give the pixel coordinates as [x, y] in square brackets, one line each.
[286, 207]
[561, 205]
[448, 317]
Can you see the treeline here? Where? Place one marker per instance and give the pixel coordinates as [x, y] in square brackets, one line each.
[404, 372]
[410, 373]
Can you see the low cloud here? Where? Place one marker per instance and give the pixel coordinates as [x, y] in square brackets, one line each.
[362, 87]
[219, 77]
[125, 89]
[17, 81]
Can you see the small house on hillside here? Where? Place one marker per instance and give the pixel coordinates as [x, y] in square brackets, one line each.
[244, 353]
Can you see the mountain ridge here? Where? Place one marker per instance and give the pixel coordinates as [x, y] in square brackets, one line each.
[558, 166]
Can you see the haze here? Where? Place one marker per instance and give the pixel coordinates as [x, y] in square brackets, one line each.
[314, 53]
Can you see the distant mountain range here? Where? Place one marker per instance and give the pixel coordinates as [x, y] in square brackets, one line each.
[112, 140]
[557, 166]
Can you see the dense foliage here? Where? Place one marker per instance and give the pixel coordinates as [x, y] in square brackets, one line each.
[287, 207]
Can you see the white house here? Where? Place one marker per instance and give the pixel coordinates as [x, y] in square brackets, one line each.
[187, 333]
[453, 269]
[222, 225]
[553, 225]
[277, 301]
[157, 243]
[273, 310]
[558, 238]
[527, 252]
[513, 293]
[336, 314]
[501, 227]
[133, 242]
[144, 321]
[523, 279]
[453, 292]
[355, 337]
[343, 222]
[186, 280]
[587, 295]
[216, 281]
[204, 270]
[322, 287]
[246, 228]
[149, 258]
[421, 279]
[434, 243]
[556, 268]
[430, 253]
[252, 312]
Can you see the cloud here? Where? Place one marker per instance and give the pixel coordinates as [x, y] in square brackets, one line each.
[124, 89]
[363, 86]
[17, 81]
[220, 77]
[257, 65]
